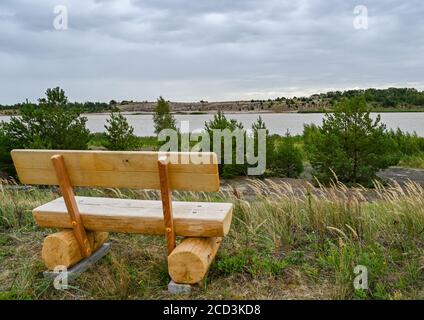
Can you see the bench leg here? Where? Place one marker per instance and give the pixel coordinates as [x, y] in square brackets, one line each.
[81, 266]
[62, 249]
[190, 260]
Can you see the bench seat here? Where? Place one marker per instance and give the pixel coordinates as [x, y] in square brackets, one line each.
[191, 219]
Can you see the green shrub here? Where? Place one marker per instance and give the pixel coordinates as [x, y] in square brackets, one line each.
[413, 161]
[407, 144]
[52, 124]
[97, 140]
[220, 122]
[6, 145]
[349, 144]
[287, 159]
[270, 140]
[163, 118]
[119, 134]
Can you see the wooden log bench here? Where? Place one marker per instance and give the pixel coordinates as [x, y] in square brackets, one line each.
[86, 221]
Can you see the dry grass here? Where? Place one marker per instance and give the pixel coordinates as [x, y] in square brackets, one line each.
[284, 244]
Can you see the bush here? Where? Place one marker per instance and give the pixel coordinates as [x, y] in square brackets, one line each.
[52, 124]
[270, 141]
[407, 144]
[287, 159]
[119, 134]
[414, 161]
[5, 158]
[349, 143]
[220, 122]
[163, 118]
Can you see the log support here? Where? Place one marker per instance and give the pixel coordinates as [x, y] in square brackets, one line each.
[191, 259]
[62, 248]
[72, 273]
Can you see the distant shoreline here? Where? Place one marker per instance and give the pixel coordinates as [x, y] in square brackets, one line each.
[232, 112]
[257, 112]
[196, 113]
[208, 112]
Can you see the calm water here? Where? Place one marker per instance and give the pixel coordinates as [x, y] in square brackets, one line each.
[276, 122]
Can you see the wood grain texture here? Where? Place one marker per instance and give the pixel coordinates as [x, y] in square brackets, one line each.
[71, 205]
[116, 169]
[61, 248]
[190, 260]
[165, 192]
[196, 219]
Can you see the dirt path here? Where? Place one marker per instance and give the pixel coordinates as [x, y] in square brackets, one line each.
[251, 187]
[403, 175]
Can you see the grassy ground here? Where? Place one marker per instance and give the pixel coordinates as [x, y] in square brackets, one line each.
[282, 245]
[98, 141]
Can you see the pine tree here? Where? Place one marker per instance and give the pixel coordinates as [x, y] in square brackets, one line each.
[53, 123]
[287, 159]
[349, 144]
[260, 125]
[119, 134]
[163, 118]
[220, 122]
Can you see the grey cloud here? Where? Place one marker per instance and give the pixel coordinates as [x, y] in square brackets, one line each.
[194, 49]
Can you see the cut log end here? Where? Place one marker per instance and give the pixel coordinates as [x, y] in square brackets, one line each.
[62, 249]
[190, 260]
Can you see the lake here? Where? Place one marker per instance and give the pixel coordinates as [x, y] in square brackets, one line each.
[276, 122]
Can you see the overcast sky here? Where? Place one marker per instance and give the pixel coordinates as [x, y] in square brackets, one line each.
[188, 50]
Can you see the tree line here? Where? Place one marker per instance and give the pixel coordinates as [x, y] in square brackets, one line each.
[391, 97]
[84, 107]
[384, 98]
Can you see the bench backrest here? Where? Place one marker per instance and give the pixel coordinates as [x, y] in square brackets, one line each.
[119, 169]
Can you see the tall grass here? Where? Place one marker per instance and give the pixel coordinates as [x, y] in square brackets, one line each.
[304, 236]
[339, 229]
[17, 201]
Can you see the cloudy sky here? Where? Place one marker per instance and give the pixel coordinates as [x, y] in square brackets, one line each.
[187, 50]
